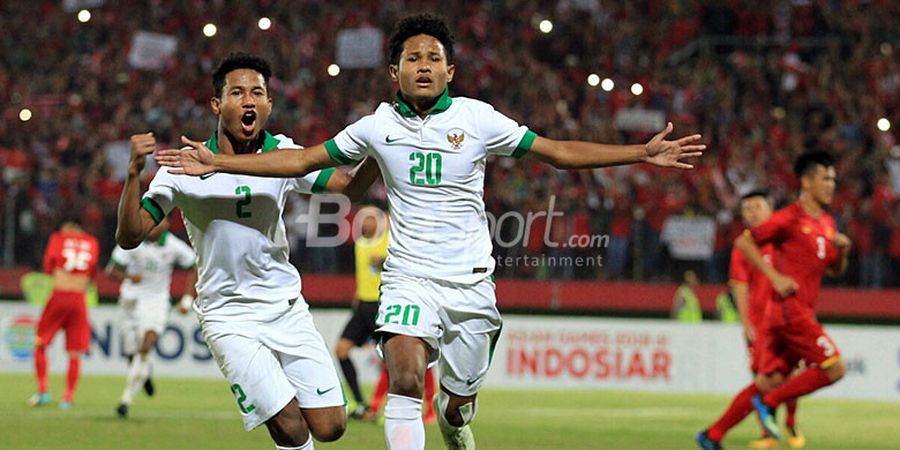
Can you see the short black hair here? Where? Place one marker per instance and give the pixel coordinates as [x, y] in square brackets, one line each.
[807, 162]
[69, 216]
[756, 193]
[415, 25]
[239, 60]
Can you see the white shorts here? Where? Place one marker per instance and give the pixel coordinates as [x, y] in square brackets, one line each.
[138, 316]
[269, 363]
[460, 323]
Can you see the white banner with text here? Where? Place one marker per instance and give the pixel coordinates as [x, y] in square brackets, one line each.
[533, 352]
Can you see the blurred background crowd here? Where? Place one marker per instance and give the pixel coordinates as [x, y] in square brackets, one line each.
[762, 83]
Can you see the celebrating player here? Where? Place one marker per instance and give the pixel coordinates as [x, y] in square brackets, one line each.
[146, 273]
[71, 258]
[807, 245]
[437, 293]
[752, 291]
[252, 315]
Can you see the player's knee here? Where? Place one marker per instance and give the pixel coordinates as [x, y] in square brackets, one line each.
[329, 432]
[837, 370]
[342, 350]
[408, 384]
[288, 432]
[458, 416]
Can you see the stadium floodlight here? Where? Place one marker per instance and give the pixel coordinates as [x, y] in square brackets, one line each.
[84, 16]
[637, 89]
[593, 79]
[607, 84]
[25, 115]
[334, 70]
[209, 30]
[264, 23]
[545, 26]
[884, 124]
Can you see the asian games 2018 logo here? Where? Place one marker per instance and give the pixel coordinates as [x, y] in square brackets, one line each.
[456, 137]
[20, 337]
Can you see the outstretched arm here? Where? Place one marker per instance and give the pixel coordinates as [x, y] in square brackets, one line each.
[134, 222]
[363, 175]
[586, 155]
[199, 160]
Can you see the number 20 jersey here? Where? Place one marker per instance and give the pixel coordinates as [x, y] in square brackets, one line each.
[433, 169]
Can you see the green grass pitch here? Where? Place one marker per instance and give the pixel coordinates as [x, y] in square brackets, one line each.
[201, 414]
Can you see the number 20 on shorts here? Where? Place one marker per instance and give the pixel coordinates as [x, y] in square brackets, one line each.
[409, 316]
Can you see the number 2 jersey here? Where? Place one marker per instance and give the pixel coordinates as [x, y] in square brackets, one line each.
[433, 169]
[235, 224]
[803, 250]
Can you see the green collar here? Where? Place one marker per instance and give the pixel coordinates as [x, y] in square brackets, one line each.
[269, 142]
[406, 110]
[162, 239]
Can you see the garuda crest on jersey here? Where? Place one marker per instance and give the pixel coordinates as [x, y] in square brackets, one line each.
[456, 137]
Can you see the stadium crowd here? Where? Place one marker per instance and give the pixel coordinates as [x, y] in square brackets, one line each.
[762, 84]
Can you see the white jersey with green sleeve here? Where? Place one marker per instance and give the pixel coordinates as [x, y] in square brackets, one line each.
[154, 261]
[433, 169]
[235, 225]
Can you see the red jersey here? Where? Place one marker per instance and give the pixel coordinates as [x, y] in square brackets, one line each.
[741, 271]
[76, 253]
[803, 250]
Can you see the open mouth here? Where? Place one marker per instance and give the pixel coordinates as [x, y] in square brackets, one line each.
[423, 82]
[248, 122]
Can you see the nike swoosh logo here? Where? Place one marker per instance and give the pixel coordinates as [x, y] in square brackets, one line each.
[389, 140]
[321, 392]
[470, 381]
[203, 177]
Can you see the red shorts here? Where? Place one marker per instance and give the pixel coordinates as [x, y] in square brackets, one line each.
[784, 346]
[66, 310]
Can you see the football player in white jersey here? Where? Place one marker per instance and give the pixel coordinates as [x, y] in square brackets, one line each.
[249, 303]
[146, 274]
[437, 294]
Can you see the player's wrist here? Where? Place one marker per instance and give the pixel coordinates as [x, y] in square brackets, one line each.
[643, 153]
[135, 167]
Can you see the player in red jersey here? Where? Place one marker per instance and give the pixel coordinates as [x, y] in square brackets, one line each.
[752, 291]
[71, 258]
[807, 246]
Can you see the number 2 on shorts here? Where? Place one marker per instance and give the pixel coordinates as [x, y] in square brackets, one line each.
[410, 315]
[241, 398]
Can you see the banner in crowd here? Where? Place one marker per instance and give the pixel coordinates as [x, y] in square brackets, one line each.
[690, 237]
[149, 51]
[533, 352]
[360, 48]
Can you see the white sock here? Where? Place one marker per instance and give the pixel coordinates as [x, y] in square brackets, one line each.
[307, 446]
[403, 427]
[138, 371]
